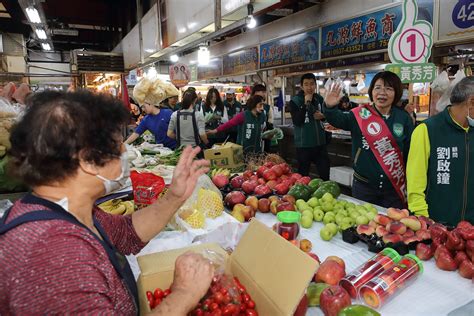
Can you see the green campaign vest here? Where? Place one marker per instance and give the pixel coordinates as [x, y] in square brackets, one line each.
[249, 134]
[450, 189]
[214, 123]
[311, 133]
[232, 111]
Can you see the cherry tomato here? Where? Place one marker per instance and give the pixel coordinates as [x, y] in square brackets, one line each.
[158, 293]
[227, 299]
[224, 291]
[198, 312]
[219, 298]
[241, 288]
[245, 298]
[166, 292]
[251, 304]
[230, 309]
[243, 307]
[216, 312]
[151, 299]
[251, 312]
[214, 306]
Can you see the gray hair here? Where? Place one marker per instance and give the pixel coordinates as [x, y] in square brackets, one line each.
[462, 90]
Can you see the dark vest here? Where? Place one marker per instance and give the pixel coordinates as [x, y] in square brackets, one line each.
[250, 132]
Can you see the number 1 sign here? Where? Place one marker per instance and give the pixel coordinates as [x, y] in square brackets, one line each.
[409, 47]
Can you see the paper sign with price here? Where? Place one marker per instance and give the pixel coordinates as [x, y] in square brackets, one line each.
[409, 47]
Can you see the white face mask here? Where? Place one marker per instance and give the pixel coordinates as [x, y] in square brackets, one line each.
[119, 182]
[470, 120]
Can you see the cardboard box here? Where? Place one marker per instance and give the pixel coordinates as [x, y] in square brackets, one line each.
[229, 156]
[274, 271]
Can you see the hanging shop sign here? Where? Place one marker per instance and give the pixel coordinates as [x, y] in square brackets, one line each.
[410, 47]
[456, 21]
[240, 62]
[180, 75]
[290, 50]
[194, 73]
[343, 62]
[368, 32]
[212, 70]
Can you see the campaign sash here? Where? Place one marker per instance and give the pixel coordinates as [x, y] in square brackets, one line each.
[384, 146]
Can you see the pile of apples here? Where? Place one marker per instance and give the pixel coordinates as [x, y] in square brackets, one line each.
[398, 226]
[452, 250]
[243, 209]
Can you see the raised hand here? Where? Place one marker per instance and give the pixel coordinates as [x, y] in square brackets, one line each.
[333, 95]
[186, 173]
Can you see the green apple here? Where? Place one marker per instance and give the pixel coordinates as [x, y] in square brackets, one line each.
[339, 217]
[328, 219]
[350, 205]
[338, 207]
[374, 211]
[349, 221]
[367, 206]
[362, 220]
[300, 203]
[307, 221]
[314, 293]
[327, 197]
[331, 214]
[354, 215]
[327, 207]
[332, 228]
[313, 202]
[344, 212]
[344, 226]
[325, 234]
[318, 215]
[306, 208]
[370, 215]
[308, 213]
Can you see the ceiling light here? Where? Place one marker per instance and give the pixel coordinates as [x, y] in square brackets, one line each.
[41, 34]
[151, 73]
[174, 58]
[33, 15]
[251, 22]
[46, 46]
[203, 56]
[149, 50]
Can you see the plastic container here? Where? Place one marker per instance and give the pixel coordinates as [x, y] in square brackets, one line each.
[379, 263]
[288, 226]
[386, 285]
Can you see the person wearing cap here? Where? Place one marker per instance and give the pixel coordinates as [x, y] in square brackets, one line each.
[261, 90]
[170, 103]
[233, 107]
[149, 94]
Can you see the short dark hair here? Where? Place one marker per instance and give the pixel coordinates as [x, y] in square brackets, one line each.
[58, 129]
[189, 97]
[309, 76]
[390, 79]
[462, 90]
[258, 87]
[253, 101]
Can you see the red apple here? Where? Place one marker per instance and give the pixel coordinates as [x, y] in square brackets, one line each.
[261, 181]
[296, 176]
[288, 198]
[285, 206]
[261, 170]
[464, 224]
[262, 190]
[271, 184]
[466, 269]
[333, 299]
[269, 164]
[249, 186]
[254, 178]
[338, 260]
[247, 174]
[286, 169]
[252, 201]
[278, 170]
[269, 175]
[236, 182]
[248, 212]
[460, 257]
[264, 205]
[282, 188]
[330, 272]
[302, 307]
[304, 180]
[424, 251]
[234, 197]
[220, 180]
[314, 256]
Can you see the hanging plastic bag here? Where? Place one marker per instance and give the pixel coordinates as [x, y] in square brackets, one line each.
[441, 83]
[444, 101]
[360, 85]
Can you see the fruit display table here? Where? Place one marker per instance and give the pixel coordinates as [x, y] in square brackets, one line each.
[435, 292]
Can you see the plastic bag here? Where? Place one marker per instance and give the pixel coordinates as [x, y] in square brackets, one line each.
[147, 188]
[441, 83]
[444, 101]
[360, 85]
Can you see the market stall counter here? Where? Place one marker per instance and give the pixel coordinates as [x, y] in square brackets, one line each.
[435, 292]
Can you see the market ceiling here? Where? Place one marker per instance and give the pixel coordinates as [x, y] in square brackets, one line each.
[97, 25]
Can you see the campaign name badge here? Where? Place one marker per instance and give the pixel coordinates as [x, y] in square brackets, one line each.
[364, 113]
[398, 129]
[374, 128]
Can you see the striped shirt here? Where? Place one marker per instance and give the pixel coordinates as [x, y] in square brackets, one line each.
[54, 266]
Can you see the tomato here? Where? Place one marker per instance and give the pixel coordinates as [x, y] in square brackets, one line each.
[158, 293]
[224, 291]
[219, 298]
[227, 299]
[245, 298]
[214, 306]
[151, 299]
[230, 310]
[157, 301]
[251, 312]
[216, 312]
[166, 292]
[243, 307]
[251, 304]
[198, 312]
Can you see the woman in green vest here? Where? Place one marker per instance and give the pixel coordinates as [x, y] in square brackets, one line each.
[373, 181]
[215, 114]
[250, 125]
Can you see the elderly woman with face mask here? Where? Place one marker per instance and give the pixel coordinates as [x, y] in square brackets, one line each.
[61, 254]
[250, 125]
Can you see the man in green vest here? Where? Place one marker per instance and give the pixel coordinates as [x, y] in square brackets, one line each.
[310, 138]
[440, 169]
[233, 107]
